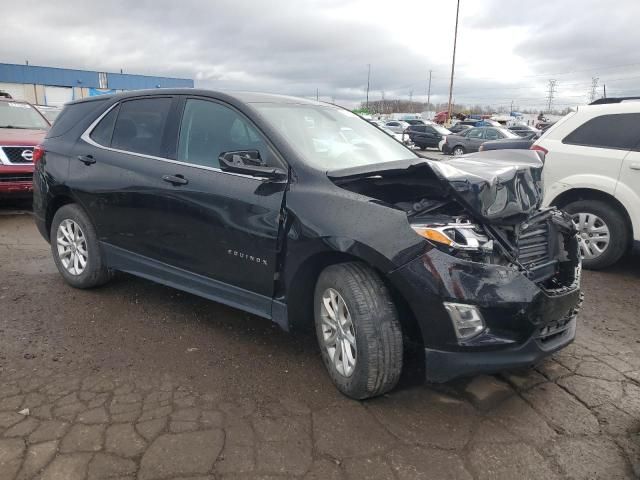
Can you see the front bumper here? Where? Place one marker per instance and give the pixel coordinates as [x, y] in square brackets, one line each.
[524, 322]
[16, 180]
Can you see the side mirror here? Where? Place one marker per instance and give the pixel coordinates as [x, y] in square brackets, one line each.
[249, 162]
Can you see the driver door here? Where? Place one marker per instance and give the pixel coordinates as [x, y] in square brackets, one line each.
[222, 225]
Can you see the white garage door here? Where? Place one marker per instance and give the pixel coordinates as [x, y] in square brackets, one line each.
[16, 90]
[55, 96]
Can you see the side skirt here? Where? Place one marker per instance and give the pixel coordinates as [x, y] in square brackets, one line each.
[145, 267]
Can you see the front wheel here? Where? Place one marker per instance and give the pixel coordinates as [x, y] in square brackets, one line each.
[358, 330]
[602, 232]
[458, 150]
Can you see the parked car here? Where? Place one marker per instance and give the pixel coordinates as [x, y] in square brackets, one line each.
[459, 127]
[507, 144]
[257, 201]
[22, 127]
[401, 137]
[470, 140]
[524, 131]
[397, 126]
[592, 171]
[427, 136]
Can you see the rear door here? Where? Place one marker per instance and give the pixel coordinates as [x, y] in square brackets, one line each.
[473, 139]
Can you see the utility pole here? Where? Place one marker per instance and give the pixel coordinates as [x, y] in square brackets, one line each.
[604, 90]
[316, 94]
[368, 81]
[511, 111]
[384, 106]
[453, 63]
[411, 101]
[594, 87]
[552, 91]
[429, 91]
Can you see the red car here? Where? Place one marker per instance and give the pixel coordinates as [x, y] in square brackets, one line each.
[22, 127]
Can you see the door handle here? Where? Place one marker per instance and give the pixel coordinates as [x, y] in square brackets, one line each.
[635, 166]
[87, 159]
[175, 179]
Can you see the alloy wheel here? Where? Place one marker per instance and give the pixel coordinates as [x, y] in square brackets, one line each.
[593, 234]
[338, 332]
[72, 247]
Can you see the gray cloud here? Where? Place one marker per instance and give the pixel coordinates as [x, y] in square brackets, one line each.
[296, 47]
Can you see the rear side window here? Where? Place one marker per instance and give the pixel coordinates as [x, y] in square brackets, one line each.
[73, 114]
[140, 125]
[104, 130]
[619, 131]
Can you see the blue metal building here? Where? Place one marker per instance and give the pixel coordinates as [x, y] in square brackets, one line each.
[56, 86]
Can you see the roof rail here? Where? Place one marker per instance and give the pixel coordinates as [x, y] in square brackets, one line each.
[603, 101]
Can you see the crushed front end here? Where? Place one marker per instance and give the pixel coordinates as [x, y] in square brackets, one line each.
[497, 285]
[503, 304]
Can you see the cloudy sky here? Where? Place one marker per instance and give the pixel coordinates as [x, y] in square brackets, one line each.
[507, 50]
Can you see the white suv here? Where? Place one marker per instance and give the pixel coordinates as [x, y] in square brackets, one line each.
[592, 171]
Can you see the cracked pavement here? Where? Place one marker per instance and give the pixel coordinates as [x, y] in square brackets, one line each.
[139, 381]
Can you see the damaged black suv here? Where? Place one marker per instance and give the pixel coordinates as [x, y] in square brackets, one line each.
[308, 215]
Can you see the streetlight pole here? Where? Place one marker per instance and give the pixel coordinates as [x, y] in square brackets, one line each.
[368, 80]
[429, 91]
[453, 62]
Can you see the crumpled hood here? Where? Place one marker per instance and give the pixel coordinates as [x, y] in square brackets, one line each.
[502, 187]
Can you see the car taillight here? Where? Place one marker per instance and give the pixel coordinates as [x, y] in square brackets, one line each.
[38, 154]
[538, 148]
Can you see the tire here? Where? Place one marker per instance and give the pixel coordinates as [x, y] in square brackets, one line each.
[458, 150]
[600, 213]
[375, 327]
[422, 147]
[94, 273]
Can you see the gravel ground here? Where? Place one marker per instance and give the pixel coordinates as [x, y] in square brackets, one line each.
[136, 380]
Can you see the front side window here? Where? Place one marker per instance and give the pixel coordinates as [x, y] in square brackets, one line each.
[140, 124]
[209, 129]
[317, 133]
[619, 131]
[21, 115]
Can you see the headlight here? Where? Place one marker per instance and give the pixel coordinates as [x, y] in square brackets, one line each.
[459, 236]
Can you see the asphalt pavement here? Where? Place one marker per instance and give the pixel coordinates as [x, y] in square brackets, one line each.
[137, 380]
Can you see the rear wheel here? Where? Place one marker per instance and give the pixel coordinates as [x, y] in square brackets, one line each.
[358, 330]
[602, 232]
[75, 248]
[458, 150]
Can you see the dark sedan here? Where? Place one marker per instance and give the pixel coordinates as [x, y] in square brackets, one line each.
[524, 131]
[470, 140]
[427, 136]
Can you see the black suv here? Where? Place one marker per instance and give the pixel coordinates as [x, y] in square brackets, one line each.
[427, 136]
[306, 214]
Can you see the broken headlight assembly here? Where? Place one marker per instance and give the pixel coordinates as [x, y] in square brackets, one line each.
[460, 238]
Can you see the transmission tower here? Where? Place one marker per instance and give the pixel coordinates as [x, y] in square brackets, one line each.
[594, 87]
[552, 91]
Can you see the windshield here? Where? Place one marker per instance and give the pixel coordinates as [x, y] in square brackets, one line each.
[329, 138]
[21, 115]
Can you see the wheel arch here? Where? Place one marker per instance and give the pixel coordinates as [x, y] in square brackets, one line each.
[576, 194]
[55, 204]
[301, 289]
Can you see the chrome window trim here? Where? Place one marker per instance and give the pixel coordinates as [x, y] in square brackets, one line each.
[86, 136]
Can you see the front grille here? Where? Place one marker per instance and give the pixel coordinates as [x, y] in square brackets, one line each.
[533, 244]
[20, 177]
[15, 154]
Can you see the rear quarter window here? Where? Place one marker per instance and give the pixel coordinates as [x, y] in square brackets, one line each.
[617, 131]
[73, 114]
